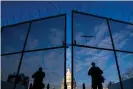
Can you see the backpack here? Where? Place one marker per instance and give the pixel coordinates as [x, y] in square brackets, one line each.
[102, 79]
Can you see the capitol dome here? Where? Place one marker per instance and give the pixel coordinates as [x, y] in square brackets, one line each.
[68, 76]
[68, 81]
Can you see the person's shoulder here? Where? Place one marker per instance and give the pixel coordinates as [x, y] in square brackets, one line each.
[98, 68]
[43, 72]
[90, 68]
[36, 72]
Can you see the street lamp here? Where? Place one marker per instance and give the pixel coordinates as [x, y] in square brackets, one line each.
[86, 37]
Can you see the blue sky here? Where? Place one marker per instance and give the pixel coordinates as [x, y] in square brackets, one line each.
[50, 33]
[13, 12]
[44, 34]
[92, 26]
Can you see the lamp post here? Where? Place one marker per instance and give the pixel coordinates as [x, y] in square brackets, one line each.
[86, 37]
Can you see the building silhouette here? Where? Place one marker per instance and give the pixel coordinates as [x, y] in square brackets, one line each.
[21, 79]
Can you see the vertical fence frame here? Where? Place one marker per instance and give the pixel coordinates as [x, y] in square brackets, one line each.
[72, 51]
[20, 62]
[65, 52]
[116, 60]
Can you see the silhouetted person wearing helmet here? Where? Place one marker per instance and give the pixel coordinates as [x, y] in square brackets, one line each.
[97, 78]
[38, 79]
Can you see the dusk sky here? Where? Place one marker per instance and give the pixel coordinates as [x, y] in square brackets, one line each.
[50, 33]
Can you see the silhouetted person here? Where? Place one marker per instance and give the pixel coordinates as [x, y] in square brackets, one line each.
[96, 74]
[83, 85]
[38, 79]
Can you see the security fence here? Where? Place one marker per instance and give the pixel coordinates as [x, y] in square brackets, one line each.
[43, 43]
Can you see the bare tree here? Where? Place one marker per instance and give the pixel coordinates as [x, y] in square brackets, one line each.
[128, 74]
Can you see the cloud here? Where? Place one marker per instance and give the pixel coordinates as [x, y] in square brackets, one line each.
[69, 58]
[106, 43]
[92, 54]
[32, 43]
[125, 58]
[54, 62]
[78, 37]
[100, 33]
[84, 56]
[53, 37]
[56, 36]
[102, 39]
[14, 41]
[54, 58]
[129, 27]
[99, 57]
[120, 39]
